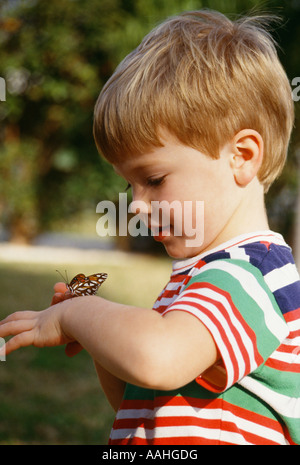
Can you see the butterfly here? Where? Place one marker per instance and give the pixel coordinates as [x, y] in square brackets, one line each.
[82, 285]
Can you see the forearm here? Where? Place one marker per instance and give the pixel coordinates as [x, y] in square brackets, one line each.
[112, 386]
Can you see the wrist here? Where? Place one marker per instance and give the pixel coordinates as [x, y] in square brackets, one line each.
[74, 315]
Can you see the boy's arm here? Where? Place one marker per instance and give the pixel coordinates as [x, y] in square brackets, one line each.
[113, 387]
[134, 344]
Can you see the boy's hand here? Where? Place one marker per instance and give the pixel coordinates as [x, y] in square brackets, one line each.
[60, 293]
[40, 329]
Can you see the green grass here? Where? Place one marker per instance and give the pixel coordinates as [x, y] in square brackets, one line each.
[46, 397]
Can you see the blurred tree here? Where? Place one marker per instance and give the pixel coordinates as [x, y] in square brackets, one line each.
[55, 57]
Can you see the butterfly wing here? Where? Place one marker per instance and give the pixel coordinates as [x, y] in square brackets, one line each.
[95, 281]
[76, 284]
[82, 285]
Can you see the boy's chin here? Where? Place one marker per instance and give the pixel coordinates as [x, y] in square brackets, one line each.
[177, 249]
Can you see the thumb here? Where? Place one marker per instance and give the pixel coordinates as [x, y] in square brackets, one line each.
[73, 348]
[60, 287]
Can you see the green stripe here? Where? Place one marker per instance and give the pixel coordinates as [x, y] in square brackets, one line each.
[286, 383]
[138, 393]
[239, 396]
[192, 389]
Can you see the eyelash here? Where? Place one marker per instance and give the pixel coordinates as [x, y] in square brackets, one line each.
[155, 181]
[150, 182]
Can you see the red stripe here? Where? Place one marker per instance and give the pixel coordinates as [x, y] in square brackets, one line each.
[252, 237]
[207, 404]
[288, 349]
[178, 441]
[292, 315]
[209, 424]
[218, 424]
[283, 366]
[171, 293]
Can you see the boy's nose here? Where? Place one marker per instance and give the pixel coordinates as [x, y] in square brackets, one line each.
[140, 201]
[140, 207]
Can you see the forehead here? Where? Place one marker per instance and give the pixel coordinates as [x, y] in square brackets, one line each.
[157, 158]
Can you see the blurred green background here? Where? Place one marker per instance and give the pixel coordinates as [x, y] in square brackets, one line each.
[55, 57]
[46, 397]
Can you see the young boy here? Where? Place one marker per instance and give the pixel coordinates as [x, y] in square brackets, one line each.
[201, 110]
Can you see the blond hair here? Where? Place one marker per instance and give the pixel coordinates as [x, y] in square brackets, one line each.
[202, 77]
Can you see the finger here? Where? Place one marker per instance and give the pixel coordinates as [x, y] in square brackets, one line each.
[60, 287]
[11, 328]
[73, 348]
[24, 315]
[60, 297]
[20, 340]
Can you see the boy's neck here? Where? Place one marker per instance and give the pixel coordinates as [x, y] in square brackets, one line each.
[249, 216]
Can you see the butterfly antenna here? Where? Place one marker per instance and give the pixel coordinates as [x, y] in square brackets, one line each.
[63, 277]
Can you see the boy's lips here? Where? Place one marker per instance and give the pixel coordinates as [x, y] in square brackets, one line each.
[160, 232]
[159, 237]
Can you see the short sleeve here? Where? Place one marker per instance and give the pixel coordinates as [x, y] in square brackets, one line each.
[231, 298]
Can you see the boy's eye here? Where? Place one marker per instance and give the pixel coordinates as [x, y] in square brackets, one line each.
[155, 181]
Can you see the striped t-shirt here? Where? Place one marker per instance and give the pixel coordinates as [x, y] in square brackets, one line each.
[247, 293]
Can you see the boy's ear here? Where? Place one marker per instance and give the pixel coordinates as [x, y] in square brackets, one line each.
[247, 155]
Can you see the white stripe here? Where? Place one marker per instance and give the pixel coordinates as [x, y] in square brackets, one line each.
[223, 415]
[164, 301]
[179, 431]
[276, 325]
[294, 325]
[238, 253]
[128, 413]
[284, 405]
[287, 357]
[174, 285]
[184, 411]
[281, 277]
[295, 341]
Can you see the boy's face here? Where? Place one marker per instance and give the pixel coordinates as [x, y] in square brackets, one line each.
[167, 185]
